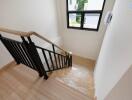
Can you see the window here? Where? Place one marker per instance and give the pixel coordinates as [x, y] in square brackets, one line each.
[84, 14]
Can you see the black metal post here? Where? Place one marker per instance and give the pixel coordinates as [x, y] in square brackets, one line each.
[59, 61]
[70, 60]
[36, 58]
[54, 55]
[51, 59]
[46, 60]
[10, 49]
[62, 61]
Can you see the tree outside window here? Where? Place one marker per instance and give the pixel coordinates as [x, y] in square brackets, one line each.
[81, 4]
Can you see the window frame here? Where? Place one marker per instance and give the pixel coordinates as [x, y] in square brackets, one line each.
[83, 16]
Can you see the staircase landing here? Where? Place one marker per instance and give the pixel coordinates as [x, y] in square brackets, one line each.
[79, 76]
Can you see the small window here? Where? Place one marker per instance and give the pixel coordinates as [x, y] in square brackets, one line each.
[84, 14]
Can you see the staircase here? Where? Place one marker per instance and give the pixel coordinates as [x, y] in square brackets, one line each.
[26, 52]
[19, 82]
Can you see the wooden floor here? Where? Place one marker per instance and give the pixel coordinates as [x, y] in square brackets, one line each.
[22, 83]
[79, 77]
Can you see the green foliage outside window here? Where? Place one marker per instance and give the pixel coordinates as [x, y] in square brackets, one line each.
[81, 4]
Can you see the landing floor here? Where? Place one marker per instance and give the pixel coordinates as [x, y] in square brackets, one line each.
[79, 76]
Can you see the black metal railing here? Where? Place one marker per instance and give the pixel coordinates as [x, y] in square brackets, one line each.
[26, 52]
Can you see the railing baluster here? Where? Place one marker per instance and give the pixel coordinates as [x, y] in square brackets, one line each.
[55, 55]
[69, 57]
[65, 61]
[16, 56]
[10, 49]
[21, 54]
[51, 59]
[59, 61]
[71, 60]
[27, 54]
[27, 57]
[19, 50]
[68, 60]
[32, 50]
[46, 60]
[62, 61]
[32, 55]
[16, 49]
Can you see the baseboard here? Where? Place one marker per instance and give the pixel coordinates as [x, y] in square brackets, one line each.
[83, 61]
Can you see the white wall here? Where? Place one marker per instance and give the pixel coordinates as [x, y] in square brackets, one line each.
[123, 89]
[83, 43]
[28, 15]
[116, 53]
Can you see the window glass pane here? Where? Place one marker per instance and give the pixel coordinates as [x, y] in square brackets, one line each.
[81, 5]
[94, 5]
[91, 21]
[75, 20]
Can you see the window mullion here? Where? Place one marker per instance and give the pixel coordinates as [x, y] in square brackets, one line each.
[82, 19]
[99, 21]
[68, 19]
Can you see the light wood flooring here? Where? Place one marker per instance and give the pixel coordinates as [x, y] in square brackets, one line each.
[22, 83]
[79, 76]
